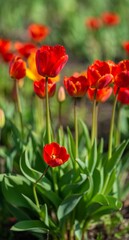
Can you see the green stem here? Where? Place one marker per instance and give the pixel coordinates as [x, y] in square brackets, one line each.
[47, 113]
[76, 128]
[112, 126]
[84, 230]
[60, 113]
[118, 126]
[34, 187]
[94, 123]
[19, 107]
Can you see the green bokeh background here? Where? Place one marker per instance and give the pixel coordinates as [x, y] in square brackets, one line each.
[66, 20]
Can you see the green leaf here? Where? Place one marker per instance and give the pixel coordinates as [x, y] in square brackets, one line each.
[68, 205]
[101, 199]
[97, 181]
[60, 136]
[50, 195]
[44, 215]
[66, 178]
[92, 161]
[116, 157]
[78, 231]
[86, 134]
[15, 134]
[71, 144]
[111, 180]
[30, 225]
[31, 173]
[19, 213]
[113, 205]
[2, 176]
[77, 187]
[32, 205]
[13, 187]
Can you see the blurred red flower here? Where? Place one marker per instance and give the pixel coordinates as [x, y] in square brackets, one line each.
[50, 60]
[39, 88]
[5, 50]
[24, 49]
[123, 95]
[102, 95]
[100, 74]
[125, 45]
[93, 23]
[122, 74]
[8, 56]
[5, 46]
[110, 18]
[76, 85]
[55, 155]
[17, 68]
[38, 32]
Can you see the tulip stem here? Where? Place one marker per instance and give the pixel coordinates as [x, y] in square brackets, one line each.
[94, 119]
[19, 107]
[118, 135]
[60, 113]
[112, 126]
[76, 127]
[34, 187]
[47, 113]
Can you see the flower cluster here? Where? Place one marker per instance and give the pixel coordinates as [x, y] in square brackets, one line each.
[107, 19]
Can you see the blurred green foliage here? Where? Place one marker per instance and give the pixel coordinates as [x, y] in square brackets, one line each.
[67, 22]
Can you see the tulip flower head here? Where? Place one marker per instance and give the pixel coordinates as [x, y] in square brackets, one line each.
[5, 46]
[122, 74]
[50, 60]
[125, 46]
[76, 85]
[110, 18]
[54, 154]
[123, 95]
[5, 50]
[61, 94]
[93, 23]
[39, 88]
[17, 68]
[99, 74]
[38, 32]
[102, 95]
[24, 49]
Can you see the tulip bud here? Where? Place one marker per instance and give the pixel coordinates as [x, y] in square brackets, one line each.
[17, 68]
[2, 118]
[61, 94]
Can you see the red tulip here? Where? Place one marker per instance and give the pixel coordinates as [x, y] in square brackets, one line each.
[50, 60]
[39, 88]
[110, 18]
[17, 68]
[24, 49]
[102, 94]
[99, 74]
[125, 45]
[76, 85]
[55, 155]
[93, 23]
[122, 74]
[123, 95]
[5, 46]
[7, 57]
[38, 32]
